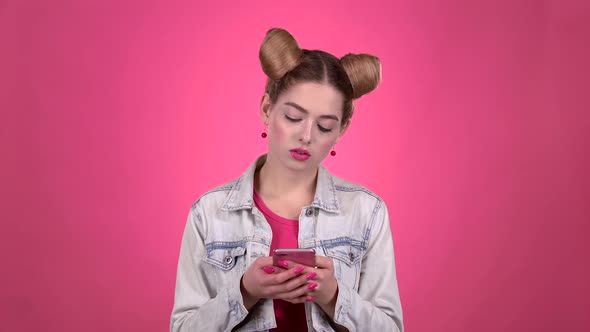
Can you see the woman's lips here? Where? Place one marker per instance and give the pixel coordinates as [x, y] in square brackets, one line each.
[300, 154]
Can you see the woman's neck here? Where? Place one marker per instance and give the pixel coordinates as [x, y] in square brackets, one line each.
[274, 181]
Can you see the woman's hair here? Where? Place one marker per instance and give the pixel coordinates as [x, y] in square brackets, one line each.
[285, 64]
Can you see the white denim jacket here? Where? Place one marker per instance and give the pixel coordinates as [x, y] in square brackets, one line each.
[225, 233]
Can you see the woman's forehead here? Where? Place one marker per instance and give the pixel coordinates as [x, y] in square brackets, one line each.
[313, 98]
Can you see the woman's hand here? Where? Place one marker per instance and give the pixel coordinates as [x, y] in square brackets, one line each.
[263, 280]
[293, 283]
[322, 286]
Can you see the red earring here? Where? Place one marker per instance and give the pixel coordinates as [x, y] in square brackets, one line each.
[264, 133]
[333, 153]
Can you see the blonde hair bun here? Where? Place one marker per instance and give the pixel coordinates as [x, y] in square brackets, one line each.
[279, 53]
[364, 72]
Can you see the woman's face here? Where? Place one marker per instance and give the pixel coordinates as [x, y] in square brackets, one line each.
[303, 125]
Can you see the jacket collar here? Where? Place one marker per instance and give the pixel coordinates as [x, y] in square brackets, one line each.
[241, 193]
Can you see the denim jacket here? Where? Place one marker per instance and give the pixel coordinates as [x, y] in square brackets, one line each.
[225, 233]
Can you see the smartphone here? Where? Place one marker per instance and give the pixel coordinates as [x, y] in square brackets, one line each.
[299, 256]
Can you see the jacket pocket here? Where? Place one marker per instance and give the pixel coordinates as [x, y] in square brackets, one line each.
[346, 253]
[225, 255]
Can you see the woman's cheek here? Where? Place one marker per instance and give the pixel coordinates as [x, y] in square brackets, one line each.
[278, 132]
[326, 146]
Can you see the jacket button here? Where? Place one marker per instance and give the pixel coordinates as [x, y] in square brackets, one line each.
[351, 256]
[228, 259]
[309, 212]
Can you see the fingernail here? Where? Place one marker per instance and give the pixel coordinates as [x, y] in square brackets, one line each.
[309, 298]
[299, 270]
[268, 269]
[283, 264]
[311, 276]
[312, 286]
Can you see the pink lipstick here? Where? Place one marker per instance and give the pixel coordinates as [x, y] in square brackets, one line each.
[300, 154]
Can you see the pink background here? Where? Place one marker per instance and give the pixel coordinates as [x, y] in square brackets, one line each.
[117, 115]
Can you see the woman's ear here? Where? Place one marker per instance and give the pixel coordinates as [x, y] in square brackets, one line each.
[265, 107]
[343, 130]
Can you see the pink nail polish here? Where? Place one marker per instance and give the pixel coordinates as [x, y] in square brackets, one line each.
[283, 264]
[311, 276]
[299, 270]
[309, 298]
[268, 269]
[312, 286]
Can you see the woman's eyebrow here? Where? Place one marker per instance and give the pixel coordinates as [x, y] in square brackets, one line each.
[303, 110]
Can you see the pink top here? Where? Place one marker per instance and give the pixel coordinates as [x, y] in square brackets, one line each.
[289, 316]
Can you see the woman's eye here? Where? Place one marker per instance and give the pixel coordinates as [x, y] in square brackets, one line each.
[324, 130]
[292, 119]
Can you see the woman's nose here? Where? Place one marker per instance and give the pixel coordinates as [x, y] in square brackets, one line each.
[305, 134]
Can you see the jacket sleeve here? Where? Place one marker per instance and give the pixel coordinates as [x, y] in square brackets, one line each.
[197, 304]
[376, 306]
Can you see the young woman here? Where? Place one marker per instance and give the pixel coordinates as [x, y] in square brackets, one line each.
[226, 279]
